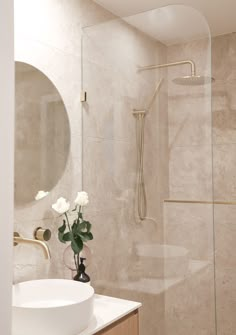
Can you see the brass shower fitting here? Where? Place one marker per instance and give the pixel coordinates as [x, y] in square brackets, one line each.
[137, 112]
[205, 202]
[18, 239]
[192, 80]
[42, 234]
[141, 198]
[159, 66]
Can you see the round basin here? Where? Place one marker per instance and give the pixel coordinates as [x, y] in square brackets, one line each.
[51, 306]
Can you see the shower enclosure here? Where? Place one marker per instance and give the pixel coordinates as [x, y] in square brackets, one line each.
[148, 166]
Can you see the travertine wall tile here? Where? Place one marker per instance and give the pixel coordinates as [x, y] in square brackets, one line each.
[178, 161]
[55, 49]
[189, 120]
[190, 173]
[111, 55]
[190, 226]
[224, 158]
[225, 300]
[225, 234]
[115, 88]
[191, 177]
[189, 306]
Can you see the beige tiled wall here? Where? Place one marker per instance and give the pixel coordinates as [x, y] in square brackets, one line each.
[189, 305]
[48, 36]
[224, 158]
[178, 163]
[112, 52]
[202, 159]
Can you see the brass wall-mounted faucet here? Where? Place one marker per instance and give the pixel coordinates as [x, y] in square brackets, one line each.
[19, 239]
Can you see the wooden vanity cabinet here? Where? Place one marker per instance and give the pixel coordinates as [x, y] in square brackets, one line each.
[128, 325]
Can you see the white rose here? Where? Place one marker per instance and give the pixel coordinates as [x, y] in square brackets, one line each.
[41, 195]
[82, 199]
[61, 206]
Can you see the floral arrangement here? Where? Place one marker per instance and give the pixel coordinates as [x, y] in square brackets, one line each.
[80, 230]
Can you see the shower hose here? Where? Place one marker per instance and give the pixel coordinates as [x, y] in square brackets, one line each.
[141, 199]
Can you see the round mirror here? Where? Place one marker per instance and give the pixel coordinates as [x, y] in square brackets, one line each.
[42, 135]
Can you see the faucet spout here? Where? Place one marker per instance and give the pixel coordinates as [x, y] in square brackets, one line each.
[18, 239]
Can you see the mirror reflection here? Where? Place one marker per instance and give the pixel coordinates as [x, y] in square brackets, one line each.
[42, 134]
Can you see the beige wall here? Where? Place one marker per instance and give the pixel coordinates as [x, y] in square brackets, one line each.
[224, 158]
[201, 160]
[189, 305]
[178, 163]
[112, 53]
[53, 47]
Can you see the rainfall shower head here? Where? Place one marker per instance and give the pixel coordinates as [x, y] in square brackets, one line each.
[193, 80]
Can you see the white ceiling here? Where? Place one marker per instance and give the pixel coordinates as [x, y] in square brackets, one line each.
[175, 24]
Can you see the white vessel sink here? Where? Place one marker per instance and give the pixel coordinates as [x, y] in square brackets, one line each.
[51, 307]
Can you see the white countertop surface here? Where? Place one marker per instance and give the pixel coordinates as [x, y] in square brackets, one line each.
[108, 310]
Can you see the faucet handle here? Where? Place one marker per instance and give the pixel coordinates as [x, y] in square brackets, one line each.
[42, 234]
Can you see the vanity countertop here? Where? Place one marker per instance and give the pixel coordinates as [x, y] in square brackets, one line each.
[107, 310]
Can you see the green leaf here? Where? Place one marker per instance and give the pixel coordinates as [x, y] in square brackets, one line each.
[74, 226]
[79, 242]
[90, 236]
[63, 227]
[60, 237]
[77, 245]
[67, 237]
[83, 238]
[61, 232]
[89, 226]
[86, 236]
[82, 226]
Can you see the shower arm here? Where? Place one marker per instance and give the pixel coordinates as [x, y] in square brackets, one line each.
[159, 66]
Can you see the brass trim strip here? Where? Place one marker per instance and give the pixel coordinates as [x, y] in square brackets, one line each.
[200, 202]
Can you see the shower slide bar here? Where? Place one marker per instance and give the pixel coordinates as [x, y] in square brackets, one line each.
[141, 198]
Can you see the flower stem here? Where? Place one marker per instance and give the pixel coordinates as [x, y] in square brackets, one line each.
[79, 212]
[69, 227]
[76, 263]
[68, 223]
